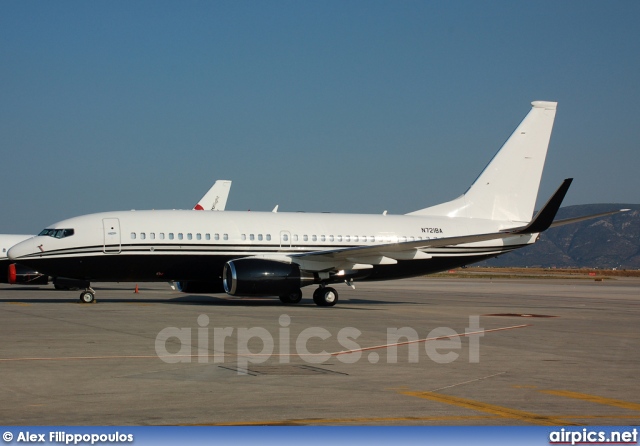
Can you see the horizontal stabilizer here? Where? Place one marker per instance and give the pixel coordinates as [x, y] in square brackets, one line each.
[586, 217]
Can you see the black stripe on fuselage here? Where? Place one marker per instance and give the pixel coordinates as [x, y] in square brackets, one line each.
[194, 249]
[125, 267]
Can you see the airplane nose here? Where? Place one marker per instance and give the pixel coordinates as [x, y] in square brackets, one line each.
[21, 250]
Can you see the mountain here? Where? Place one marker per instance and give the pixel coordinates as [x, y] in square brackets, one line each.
[608, 242]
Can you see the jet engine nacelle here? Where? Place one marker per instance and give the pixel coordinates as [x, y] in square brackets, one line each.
[261, 277]
[21, 275]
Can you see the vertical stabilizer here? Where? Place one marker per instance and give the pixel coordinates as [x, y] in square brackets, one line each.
[216, 198]
[507, 188]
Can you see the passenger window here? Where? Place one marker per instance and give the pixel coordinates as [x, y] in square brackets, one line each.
[198, 236]
[143, 236]
[243, 237]
[216, 236]
[295, 237]
[252, 237]
[171, 236]
[259, 237]
[355, 238]
[305, 238]
[347, 238]
[339, 238]
[162, 236]
[179, 235]
[225, 236]
[268, 237]
[314, 238]
[285, 237]
[189, 236]
[403, 239]
[323, 238]
[152, 235]
[133, 236]
[207, 236]
[331, 238]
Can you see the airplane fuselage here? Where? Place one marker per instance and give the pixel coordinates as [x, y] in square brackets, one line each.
[183, 245]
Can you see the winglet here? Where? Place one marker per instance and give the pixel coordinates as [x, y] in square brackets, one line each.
[544, 218]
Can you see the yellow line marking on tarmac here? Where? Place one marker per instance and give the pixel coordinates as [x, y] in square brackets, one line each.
[504, 412]
[593, 399]
[600, 417]
[305, 421]
[22, 304]
[360, 420]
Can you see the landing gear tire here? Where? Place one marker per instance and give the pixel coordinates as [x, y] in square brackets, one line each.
[325, 297]
[88, 297]
[291, 298]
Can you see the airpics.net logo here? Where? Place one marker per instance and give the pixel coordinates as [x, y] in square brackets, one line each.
[590, 436]
[313, 345]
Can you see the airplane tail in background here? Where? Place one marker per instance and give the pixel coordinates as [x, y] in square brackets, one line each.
[507, 188]
[216, 198]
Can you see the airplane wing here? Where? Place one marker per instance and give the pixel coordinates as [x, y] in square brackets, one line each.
[392, 252]
[216, 198]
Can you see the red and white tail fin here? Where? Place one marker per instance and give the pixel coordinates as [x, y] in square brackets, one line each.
[216, 198]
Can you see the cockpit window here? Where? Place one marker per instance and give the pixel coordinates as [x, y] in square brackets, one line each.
[57, 233]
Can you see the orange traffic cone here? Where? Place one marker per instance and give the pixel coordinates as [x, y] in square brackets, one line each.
[136, 291]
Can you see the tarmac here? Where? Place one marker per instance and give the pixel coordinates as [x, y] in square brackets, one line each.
[474, 352]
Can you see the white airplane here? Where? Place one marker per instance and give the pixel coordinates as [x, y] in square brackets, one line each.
[215, 199]
[278, 253]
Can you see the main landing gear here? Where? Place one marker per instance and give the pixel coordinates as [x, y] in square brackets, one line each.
[323, 297]
[88, 296]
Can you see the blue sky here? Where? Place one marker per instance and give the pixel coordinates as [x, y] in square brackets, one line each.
[341, 106]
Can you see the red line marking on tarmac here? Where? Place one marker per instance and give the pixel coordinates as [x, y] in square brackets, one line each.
[343, 352]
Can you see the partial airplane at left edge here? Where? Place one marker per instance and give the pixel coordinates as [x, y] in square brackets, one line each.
[215, 200]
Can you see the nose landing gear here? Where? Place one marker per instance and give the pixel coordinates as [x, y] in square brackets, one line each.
[88, 296]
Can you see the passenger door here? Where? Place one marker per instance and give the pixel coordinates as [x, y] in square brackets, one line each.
[111, 228]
